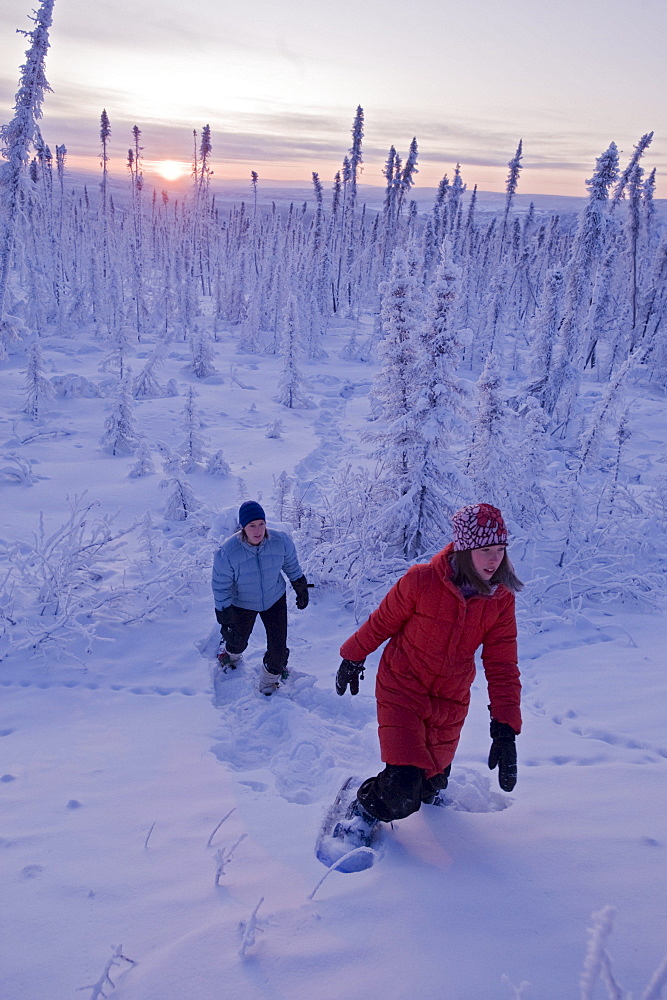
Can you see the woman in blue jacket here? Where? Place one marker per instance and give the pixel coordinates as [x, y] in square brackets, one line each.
[248, 581]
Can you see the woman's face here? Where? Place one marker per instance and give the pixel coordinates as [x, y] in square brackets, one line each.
[255, 531]
[487, 560]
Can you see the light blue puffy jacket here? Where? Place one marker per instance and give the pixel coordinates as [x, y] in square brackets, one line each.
[251, 576]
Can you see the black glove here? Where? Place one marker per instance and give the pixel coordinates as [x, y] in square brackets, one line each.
[503, 753]
[301, 590]
[226, 620]
[349, 672]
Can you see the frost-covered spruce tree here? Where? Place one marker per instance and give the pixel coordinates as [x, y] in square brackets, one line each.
[137, 250]
[250, 337]
[217, 465]
[392, 172]
[454, 199]
[632, 232]
[492, 465]
[120, 436]
[511, 186]
[441, 353]
[440, 419]
[406, 177]
[282, 487]
[202, 351]
[291, 391]
[396, 439]
[653, 328]
[585, 255]
[146, 385]
[119, 341]
[38, 389]
[200, 256]
[16, 140]
[490, 336]
[543, 335]
[603, 325]
[347, 248]
[356, 156]
[580, 505]
[182, 502]
[193, 448]
[621, 182]
[320, 259]
[144, 464]
[439, 214]
[650, 237]
[315, 329]
[401, 315]
[530, 499]
[105, 135]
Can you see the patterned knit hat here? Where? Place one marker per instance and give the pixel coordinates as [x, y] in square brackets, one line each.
[250, 511]
[478, 525]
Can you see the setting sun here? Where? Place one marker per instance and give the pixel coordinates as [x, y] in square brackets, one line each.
[172, 170]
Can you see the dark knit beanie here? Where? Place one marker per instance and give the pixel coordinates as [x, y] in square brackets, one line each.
[478, 525]
[250, 511]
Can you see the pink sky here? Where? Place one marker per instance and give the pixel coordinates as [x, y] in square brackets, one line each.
[279, 81]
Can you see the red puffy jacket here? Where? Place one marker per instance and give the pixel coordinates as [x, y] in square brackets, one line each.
[428, 666]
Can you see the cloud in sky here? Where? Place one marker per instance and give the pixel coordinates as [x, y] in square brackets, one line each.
[279, 81]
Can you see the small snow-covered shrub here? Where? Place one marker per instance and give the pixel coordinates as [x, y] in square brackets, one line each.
[62, 585]
[74, 387]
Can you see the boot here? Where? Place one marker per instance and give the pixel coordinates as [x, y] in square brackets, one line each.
[432, 787]
[268, 682]
[270, 679]
[227, 660]
[356, 829]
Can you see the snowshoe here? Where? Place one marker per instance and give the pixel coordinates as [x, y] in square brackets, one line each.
[348, 829]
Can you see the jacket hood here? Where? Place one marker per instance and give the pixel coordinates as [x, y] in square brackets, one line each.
[440, 562]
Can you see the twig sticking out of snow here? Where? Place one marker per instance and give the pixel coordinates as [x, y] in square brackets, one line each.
[337, 864]
[596, 953]
[250, 929]
[233, 377]
[210, 839]
[223, 856]
[98, 988]
[597, 963]
[659, 979]
[518, 991]
[19, 472]
[606, 974]
[148, 835]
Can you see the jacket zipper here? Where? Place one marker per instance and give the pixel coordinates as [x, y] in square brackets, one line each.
[261, 577]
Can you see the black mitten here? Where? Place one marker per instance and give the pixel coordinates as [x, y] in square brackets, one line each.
[503, 754]
[349, 672]
[301, 590]
[225, 619]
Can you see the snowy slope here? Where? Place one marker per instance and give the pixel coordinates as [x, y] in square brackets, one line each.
[118, 765]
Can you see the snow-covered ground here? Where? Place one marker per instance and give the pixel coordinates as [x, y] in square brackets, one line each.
[118, 767]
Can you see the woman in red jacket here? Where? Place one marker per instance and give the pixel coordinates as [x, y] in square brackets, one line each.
[435, 617]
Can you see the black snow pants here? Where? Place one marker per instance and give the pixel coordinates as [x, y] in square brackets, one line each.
[399, 790]
[274, 620]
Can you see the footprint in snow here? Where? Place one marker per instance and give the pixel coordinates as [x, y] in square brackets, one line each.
[299, 777]
[32, 871]
[470, 791]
